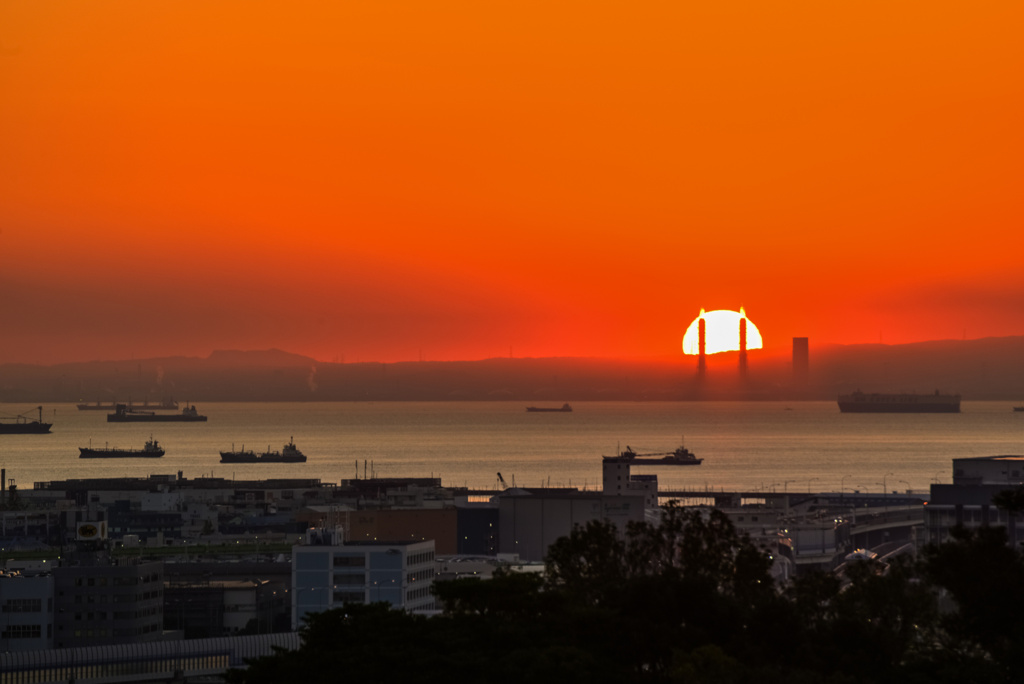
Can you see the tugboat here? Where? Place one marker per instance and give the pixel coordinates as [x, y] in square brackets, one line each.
[123, 414]
[151, 450]
[540, 409]
[23, 425]
[289, 454]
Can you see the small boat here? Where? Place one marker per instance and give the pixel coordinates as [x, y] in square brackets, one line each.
[1018, 408]
[289, 454]
[565, 408]
[23, 425]
[151, 450]
[123, 414]
[906, 402]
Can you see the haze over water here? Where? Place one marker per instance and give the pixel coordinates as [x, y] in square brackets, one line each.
[794, 446]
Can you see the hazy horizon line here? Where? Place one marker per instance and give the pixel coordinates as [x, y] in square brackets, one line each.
[767, 350]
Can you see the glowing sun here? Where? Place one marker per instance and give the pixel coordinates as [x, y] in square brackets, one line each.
[721, 332]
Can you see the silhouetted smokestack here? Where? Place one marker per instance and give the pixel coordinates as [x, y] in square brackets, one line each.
[743, 347]
[702, 362]
[801, 360]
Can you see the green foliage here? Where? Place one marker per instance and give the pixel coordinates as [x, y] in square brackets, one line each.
[689, 600]
[984, 577]
[1010, 500]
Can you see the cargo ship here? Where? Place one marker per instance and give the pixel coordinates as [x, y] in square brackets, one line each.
[882, 402]
[151, 450]
[23, 425]
[123, 414]
[165, 405]
[681, 456]
[289, 454]
[565, 408]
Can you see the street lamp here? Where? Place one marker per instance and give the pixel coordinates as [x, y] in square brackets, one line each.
[809, 484]
[885, 492]
[785, 484]
[842, 487]
[906, 483]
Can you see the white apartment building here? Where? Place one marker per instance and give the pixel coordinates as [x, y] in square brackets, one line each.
[328, 572]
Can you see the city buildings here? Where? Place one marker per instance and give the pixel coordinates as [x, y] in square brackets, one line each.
[26, 611]
[328, 572]
[967, 502]
[97, 602]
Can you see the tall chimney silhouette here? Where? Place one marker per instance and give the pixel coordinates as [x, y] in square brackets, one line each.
[743, 343]
[801, 360]
[702, 362]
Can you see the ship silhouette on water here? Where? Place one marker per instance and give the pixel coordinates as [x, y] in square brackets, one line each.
[289, 454]
[681, 456]
[165, 405]
[124, 414]
[151, 450]
[909, 402]
[565, 408]
[23, 425]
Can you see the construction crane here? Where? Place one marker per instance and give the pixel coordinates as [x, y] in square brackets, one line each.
[501, 481]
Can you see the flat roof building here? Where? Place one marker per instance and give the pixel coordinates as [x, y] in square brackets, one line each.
[968, 501]
[328, 572]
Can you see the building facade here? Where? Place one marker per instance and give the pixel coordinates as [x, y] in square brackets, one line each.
[328, 572]
[26, 611]
[968, 501]
[98, 603]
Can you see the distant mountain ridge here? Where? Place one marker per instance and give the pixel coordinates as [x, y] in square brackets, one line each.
[989, 368]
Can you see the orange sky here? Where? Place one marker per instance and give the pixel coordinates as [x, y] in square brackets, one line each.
[457, 180]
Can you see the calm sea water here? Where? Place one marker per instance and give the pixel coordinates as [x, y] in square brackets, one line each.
[794, 446]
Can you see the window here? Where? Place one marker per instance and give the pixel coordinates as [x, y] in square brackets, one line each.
[350, 561]
[348, 596]
[23, 605]
[350, 580]
[22, 632]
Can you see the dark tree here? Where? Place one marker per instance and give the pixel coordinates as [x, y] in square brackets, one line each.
[1011, 501]
[984, 578]
[688, 600]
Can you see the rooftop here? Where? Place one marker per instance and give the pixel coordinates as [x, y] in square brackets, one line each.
[1005, 457]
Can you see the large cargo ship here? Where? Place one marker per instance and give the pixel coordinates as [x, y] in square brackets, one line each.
[289, 454]
[165, 405]
[882, 402]
[122, 414]
[151, 450]
[565, 408]
[681, 456]
[23, 425]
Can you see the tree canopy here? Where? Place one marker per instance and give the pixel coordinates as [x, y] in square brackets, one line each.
[688, 600]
